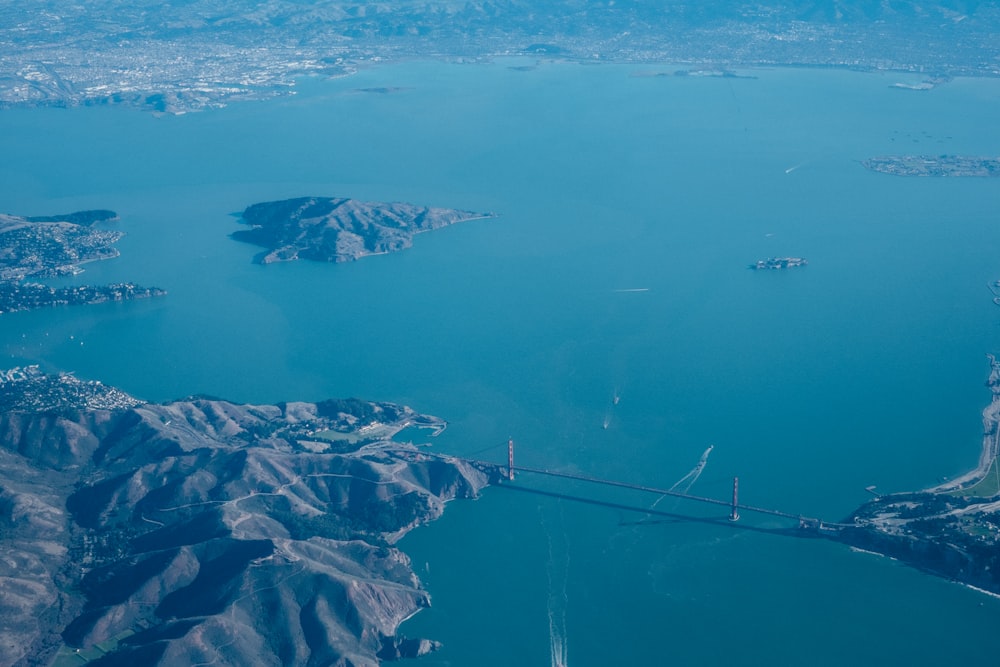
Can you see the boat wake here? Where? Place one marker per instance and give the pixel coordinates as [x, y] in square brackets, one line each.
[558, 574]
[557, 639]
[684, 484]
[616, 398]
[796, 167]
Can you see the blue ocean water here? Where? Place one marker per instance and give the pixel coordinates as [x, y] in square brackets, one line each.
[865, 367]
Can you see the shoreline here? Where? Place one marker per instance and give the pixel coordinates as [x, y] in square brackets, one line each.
[947, 530]
[991, 438]
[981, 590]
[693, 64]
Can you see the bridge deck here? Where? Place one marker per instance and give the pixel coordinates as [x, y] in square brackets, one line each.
[660, 492]
[502, 470]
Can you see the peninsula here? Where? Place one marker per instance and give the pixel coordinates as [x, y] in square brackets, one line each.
[33, 248]
[936, 165]
[333, 229]
[202, 531]
[951, 530]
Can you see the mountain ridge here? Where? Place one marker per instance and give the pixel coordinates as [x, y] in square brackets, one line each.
[202, 530]
[338, 229]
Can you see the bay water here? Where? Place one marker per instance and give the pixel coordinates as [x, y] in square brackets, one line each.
[629, 206]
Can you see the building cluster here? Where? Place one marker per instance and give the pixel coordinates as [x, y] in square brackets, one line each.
[38, 248]
[28, 296]
[49, 249]
[28, 389]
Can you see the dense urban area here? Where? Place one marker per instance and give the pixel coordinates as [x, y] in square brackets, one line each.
[27, 388]
[185, 56]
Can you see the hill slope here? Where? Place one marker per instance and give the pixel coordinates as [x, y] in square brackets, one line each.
[205, 531]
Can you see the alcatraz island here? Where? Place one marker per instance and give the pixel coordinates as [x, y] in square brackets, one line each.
[774, 263]
[34, 248]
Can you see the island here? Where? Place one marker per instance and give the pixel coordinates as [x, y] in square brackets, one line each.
[335, 229]
[951, 530]
[934, 165]
[203, 531]
[778, 263]
[33, 248]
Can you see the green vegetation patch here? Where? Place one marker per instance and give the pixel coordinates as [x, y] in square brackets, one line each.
[987, 487]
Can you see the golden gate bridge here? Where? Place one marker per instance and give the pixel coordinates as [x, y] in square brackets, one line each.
[500, 472]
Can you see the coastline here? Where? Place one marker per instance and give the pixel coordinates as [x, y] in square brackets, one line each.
[949, 530]
[981, 590]
[991, 438]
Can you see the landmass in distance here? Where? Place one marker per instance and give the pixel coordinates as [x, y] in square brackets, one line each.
[186, 56]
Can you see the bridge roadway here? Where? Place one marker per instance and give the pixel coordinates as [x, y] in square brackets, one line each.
[501, 471]
[649, 489]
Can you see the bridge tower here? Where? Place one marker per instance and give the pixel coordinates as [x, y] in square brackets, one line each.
[735, 514]
[510, 459]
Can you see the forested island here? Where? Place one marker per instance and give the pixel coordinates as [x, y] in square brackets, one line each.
[202, 531]
[336, 229]
[39, 247]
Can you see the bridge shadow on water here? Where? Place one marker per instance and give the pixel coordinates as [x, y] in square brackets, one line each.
[661, 517]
